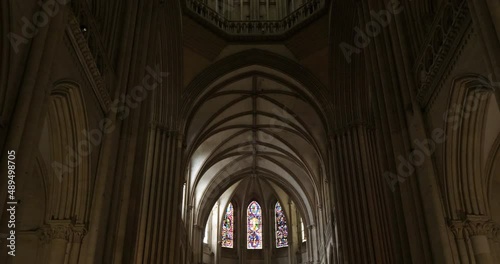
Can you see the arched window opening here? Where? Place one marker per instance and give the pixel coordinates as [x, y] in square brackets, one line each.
[302, 231]
[254, 226]
[228, 227]
[281, 227]
[183, 200]
[205, 235]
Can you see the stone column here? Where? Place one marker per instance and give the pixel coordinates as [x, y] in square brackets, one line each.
[310, 253]
[290, 234]
[78, 233]
[58, 232]
[198, 248]
[241, 9]
[364, 228]
[268, 244]
[159, 216]
[479, 228]
[457, 227]
[63, 240]
[400, 122]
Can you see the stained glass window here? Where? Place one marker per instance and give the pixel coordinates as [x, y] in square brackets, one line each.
[254, 226]
[281, 227]
[228, 227]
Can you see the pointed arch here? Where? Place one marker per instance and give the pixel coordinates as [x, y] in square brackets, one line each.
[281, 227]
[493, 180]
[70, 150]
[319, 94]
[465, 120]
[254, 226]
[227, 232]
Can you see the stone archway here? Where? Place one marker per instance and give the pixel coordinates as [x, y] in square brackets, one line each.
[254, 121]
[465, 183]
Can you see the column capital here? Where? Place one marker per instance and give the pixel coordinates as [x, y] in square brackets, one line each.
[475, 225]
[78, 233]
[457, 227]
[480, 228]
[43, 235]
[58, 230]
[62, 229]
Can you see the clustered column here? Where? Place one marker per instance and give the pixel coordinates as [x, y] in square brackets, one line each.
[159, 215]
[359, 197]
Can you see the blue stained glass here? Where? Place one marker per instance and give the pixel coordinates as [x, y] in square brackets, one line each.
[254, 226]
[228, 227]
[281, 227]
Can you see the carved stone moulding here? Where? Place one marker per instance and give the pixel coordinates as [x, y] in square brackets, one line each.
[62, 229]
[474, 225]
[441, 50]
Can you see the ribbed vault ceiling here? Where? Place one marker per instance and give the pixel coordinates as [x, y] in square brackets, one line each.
[255, 123]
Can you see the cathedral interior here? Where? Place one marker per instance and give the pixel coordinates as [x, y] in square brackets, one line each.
[250, 131]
